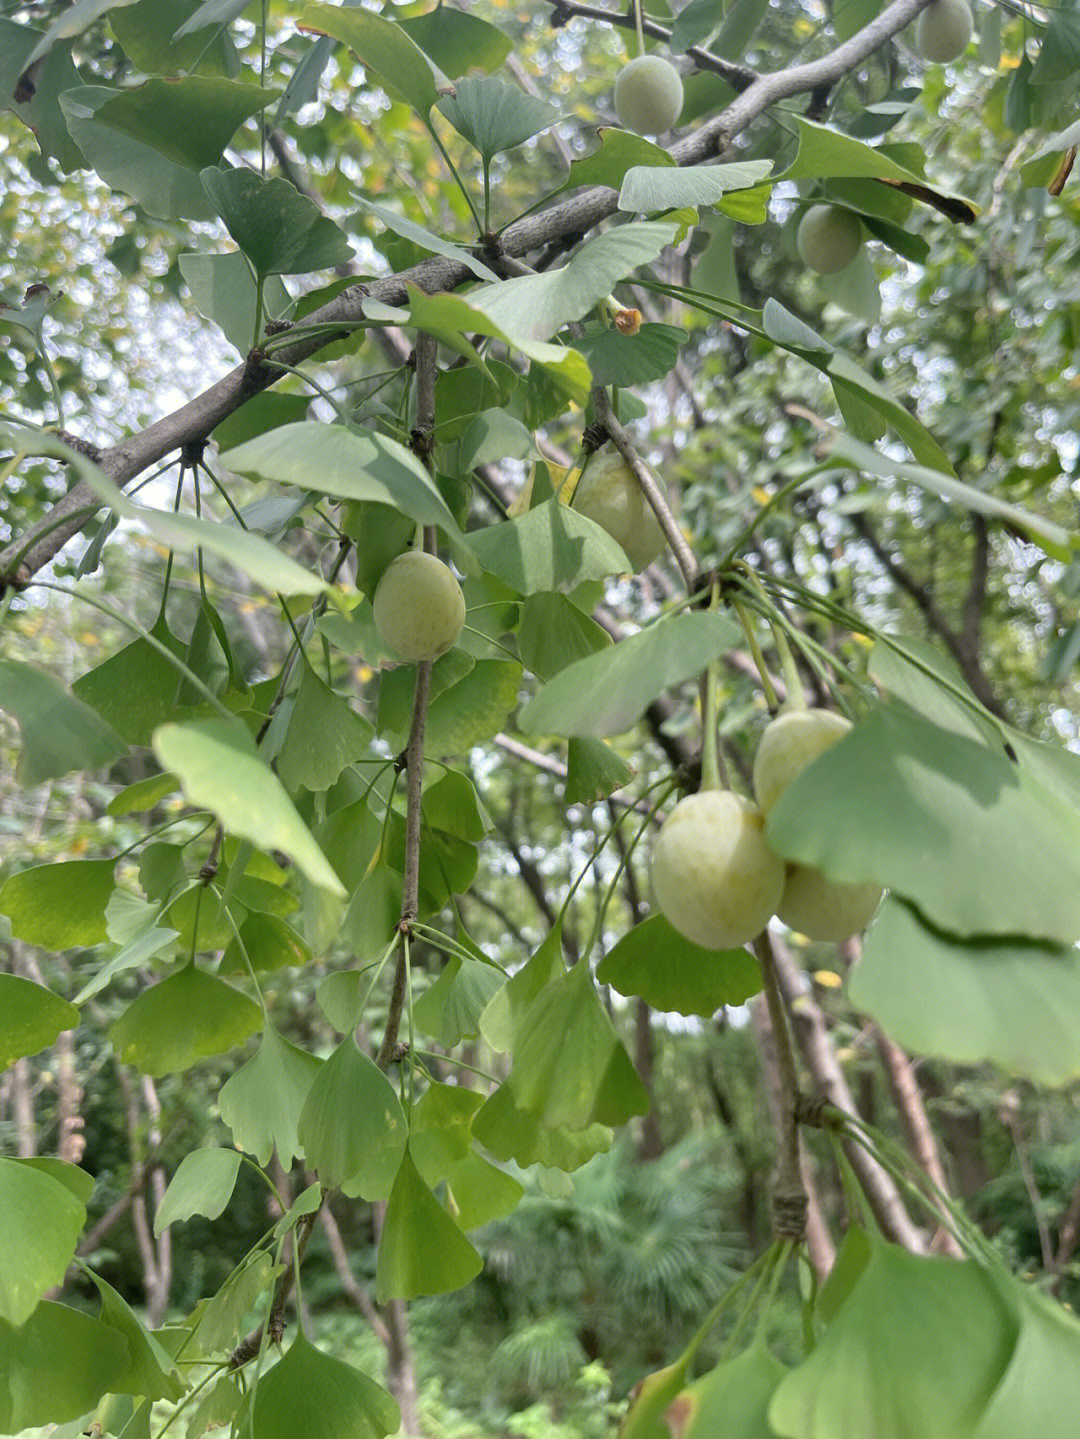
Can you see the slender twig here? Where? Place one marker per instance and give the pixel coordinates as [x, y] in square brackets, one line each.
[422, 446]
[575, 216]
[739, 77]
[620, 438]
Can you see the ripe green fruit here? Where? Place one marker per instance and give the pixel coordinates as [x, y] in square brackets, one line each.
[713, 876]
[828, 238]
[419, 608]
[609, 494]
[793, 740]
[823, 908]
[648, 95]
[943, 30]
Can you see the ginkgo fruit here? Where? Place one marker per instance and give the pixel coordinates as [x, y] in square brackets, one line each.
[828, 238]
[648, 95]
[826, 909]
[713, 876]
[791, 741]
[819, 907]
[943, 30]
[419, 607]
[609, 494]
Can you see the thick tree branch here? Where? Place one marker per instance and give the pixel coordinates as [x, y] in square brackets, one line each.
[195, 420]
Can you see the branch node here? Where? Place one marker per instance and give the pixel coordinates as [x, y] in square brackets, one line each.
[191, 453]
[278, 327]
[422, 443]
[593, 436]
[787, 1214]
[82, 447]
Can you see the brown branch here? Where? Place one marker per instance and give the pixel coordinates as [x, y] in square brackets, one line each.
[819, 1242]
[789, 1200]
[350, 1285]
[812, 1037]
[194, 421]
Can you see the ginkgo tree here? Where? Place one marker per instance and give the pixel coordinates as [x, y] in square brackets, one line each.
[393, 523]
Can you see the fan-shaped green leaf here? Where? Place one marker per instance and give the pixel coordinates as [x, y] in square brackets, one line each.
[58, 732]
[450, 1010]
[649, 189]
[918, 1348]
[538, 306]
[280, 231]
[262, 1102]
[307, 1383]
[203, 1184]
[40, 1222]
[904, 803]
[656, 963]
[421, 1249]
[221, 770]
[56, 1366]
[383, 48]
[31, 1017]
[352, 1128]
[185, 1018]
[59, 906]
[494, 116]
[1012, 1002]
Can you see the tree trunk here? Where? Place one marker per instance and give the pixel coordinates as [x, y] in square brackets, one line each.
[650, 1144]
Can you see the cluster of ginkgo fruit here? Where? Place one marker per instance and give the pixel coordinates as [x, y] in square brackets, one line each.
[714, 876]
[649, 100]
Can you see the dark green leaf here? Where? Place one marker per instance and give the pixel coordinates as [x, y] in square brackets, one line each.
[382, 47]
[494, 116]
[655, 962]
[617, 359]
[458, 41]
[325, 735]
[41, 113]
[280, 231]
